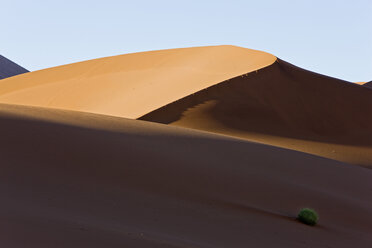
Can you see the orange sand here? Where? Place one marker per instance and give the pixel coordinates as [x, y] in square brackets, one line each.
[131, 85]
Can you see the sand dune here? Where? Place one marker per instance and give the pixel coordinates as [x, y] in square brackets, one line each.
[286, 106]
[276, 104]
[368, 84]
[131, 85]
[71, 179]
[8, 68]
[92, 178]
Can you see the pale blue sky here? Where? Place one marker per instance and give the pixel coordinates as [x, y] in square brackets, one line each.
[332, 37]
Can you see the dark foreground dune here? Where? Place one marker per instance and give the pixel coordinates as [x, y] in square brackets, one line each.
[8, 68]
[285, 106]
[71, 179]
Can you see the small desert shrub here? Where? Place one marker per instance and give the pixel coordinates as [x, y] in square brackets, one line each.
[308, 216]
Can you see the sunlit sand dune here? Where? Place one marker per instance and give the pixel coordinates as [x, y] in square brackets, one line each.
[71, 179]
[223, 89]
[131, 85]
[286, 106]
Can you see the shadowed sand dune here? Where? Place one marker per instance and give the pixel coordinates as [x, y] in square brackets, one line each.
[368, 84]
[132, 85]
[8, 68]
[71, 179]
[286, 106]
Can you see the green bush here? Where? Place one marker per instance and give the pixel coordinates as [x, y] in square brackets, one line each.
[308, 216]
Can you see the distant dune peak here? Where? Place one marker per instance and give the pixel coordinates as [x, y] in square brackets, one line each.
[8, 68]
[368, 84]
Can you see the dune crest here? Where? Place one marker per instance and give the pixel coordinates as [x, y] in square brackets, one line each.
[223, 89]
[286, 106]
[131, 85]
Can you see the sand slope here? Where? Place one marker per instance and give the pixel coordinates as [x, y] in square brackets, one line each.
[276, 104]
[286, 106]
[368, 84]
[72, 179]
[8, 68]
[131, 85]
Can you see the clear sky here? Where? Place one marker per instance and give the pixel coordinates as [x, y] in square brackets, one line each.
[332, 37]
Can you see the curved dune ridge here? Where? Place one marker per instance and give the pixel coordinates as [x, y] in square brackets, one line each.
[281, 105]
[131, 85]
[72, 179]
[285, 106]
